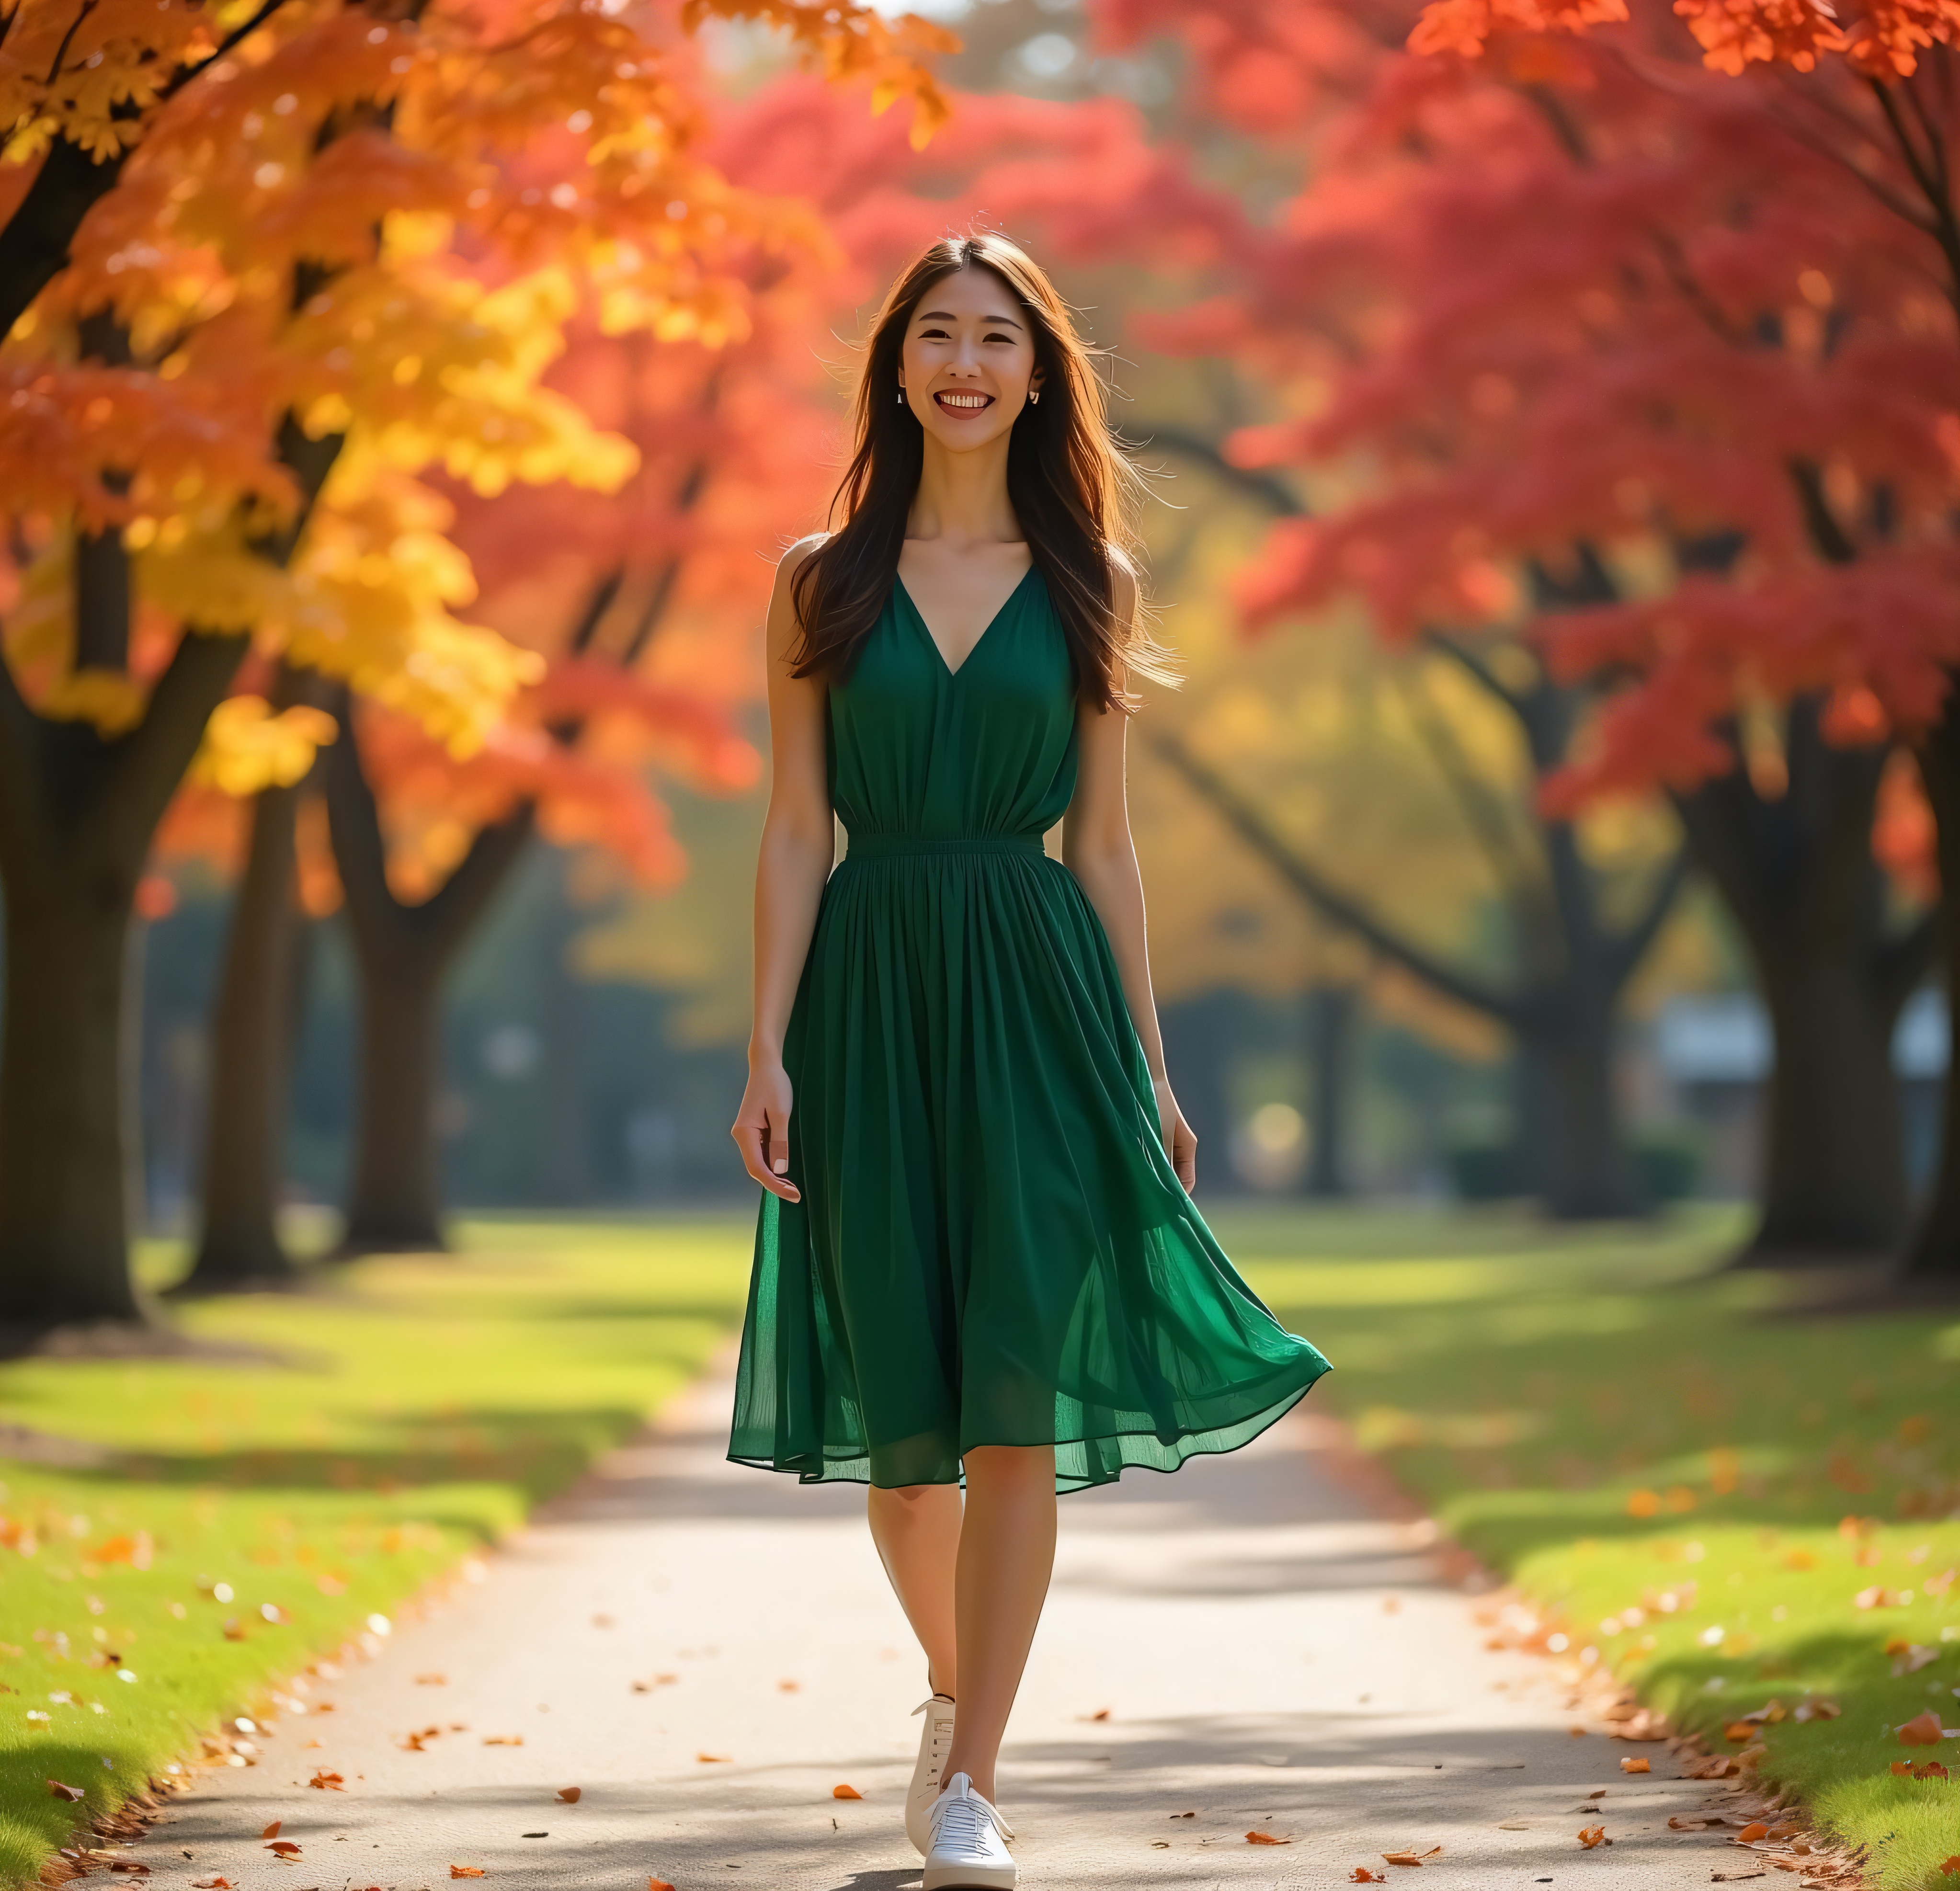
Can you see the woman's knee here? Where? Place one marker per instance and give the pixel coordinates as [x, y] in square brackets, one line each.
[1011, 1466]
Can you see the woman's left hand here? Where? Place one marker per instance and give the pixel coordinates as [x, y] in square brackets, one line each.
[1179, 1144]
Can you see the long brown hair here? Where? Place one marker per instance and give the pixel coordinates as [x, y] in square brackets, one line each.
[1068, 480]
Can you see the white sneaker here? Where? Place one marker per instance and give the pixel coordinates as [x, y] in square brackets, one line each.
[967, 1852]
[935, 1741]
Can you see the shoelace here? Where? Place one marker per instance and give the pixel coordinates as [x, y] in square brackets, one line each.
[964, 1821]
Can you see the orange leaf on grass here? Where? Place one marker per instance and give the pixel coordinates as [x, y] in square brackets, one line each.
[1592, 1836]
[570, 1794]
[1951, 1867]
[1922, 1730]
[1362, 1875]
[1267, 1838]
[845, 1792]
[57, 1790]
[1635, 1766]
[1741, 1732]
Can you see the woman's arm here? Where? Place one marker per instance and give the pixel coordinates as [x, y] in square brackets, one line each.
[1097, 847]
[798, 843]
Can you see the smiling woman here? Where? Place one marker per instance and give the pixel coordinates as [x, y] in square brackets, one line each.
[976, 1260]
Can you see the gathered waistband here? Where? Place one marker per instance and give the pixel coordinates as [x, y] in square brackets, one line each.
[895, 846]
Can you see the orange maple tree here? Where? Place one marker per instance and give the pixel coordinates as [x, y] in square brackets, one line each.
[261, 268]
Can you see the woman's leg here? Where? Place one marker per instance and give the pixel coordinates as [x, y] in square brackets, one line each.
[1007, 1554]
[917, 1531]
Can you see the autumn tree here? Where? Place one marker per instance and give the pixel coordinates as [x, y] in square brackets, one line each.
[1850, 283]
[1520, 299]
[260, 267]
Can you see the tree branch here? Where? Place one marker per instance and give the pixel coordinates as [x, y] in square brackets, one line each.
[1478, 670]
[1252, 828]
[1268, 489]
[463, 898]
[1487, 818]
[145, 768]
[1632, 946]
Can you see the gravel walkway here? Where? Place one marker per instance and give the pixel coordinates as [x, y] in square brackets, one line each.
[705, 1652]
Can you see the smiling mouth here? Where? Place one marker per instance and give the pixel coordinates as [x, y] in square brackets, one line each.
[963, 403]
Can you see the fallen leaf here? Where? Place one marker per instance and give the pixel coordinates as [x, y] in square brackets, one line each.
[285, 1848]
[1592, 1836]
[1577, 1732]
[1267, 1838]
[212, 1883]
[1930, 1769]
[787, 1687]
[1635, 1766]
[503, 1739]
[272, 1830]
[1691, 1825]
[845, 1792]
[57, 1790]
[1514, 1825]
[1741, 1732]
[1362, 1875]
[1902, 1767]
[432, 1680]
[714, 1759]
[466, 1871]
[1191, 1814]
[1817, 1711]
[570, 1794]
[658, 1884]
[326, 1781]
[1754, 1830]
[1922, 1730]
[1951, 1867]
[1411, 1857]
[1875, 1597]
[1101, 1714]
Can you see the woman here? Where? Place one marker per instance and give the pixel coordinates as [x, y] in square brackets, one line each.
[976, 1252]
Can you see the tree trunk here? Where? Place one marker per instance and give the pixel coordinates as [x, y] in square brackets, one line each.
[64, 1234]
[252, 1048]
[1330, 1032]
[1933, 1252]
[395, 1202]
[1833, 1182]
[1796, 872]
[1570, 1155]
[403, 953]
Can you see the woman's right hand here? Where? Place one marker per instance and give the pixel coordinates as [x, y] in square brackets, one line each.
[761, 1130]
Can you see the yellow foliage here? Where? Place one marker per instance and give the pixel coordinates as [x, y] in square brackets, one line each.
[247, 747]
[111, 700]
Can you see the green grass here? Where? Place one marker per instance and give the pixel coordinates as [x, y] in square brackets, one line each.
[415, 1410]
[1527, 1382]
[1598, 1417]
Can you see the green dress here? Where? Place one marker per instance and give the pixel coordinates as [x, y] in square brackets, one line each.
[991, 1247]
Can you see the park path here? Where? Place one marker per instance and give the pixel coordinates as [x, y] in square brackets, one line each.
[1272, 1652]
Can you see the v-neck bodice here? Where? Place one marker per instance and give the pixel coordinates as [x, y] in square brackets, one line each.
[986, 751]
[910, 604]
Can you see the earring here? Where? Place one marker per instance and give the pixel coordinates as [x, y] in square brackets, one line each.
[1034, 396]
[901, 394]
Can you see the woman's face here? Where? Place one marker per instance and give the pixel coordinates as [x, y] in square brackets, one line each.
[968, 365]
